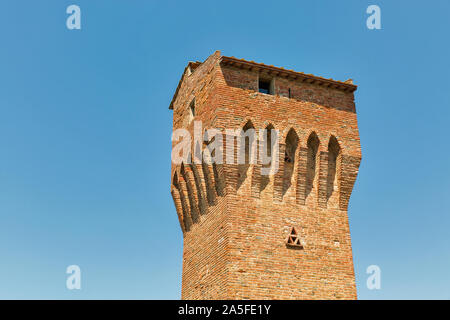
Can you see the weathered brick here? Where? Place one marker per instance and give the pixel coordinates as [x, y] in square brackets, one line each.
[235, 221]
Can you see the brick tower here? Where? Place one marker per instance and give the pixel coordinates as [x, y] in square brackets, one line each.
[253, 236]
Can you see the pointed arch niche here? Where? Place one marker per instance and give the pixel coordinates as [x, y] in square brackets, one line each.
[248, 138]
[267, 142]
[290, 152]
[334, 157]
[311, 164]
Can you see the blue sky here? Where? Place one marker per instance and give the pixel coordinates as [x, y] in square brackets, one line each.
[85, 135]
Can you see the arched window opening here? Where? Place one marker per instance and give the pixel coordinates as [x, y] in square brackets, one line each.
[334, 152]
[192, 110]
[267, 147]
[290, 150]
[311, 163]
[246, 151]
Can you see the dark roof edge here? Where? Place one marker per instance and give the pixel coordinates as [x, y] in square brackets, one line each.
[290, 74]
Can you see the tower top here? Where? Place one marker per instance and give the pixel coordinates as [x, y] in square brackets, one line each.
[346, 86]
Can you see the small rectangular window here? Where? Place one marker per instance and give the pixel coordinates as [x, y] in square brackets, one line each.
[264, 86]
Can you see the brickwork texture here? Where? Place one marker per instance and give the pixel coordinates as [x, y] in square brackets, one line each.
[235, 221]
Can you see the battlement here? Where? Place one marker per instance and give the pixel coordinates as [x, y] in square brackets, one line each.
[309, 171]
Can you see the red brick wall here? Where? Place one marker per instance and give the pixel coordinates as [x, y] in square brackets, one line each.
[234, 233]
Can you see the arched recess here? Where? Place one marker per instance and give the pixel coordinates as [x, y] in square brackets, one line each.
[191, 193]
[311, 163]
[201, 194]
[290, 152]
[267, 147]
[245, 152]
[218, 179]
[184, 209]
[208, 175]
[334, 154]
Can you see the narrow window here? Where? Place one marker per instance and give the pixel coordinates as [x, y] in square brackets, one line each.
[268, 144]
[311, 163]
[289, 93]
[246, 152]
[289, 159]
[192, 110]
[334, 153]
